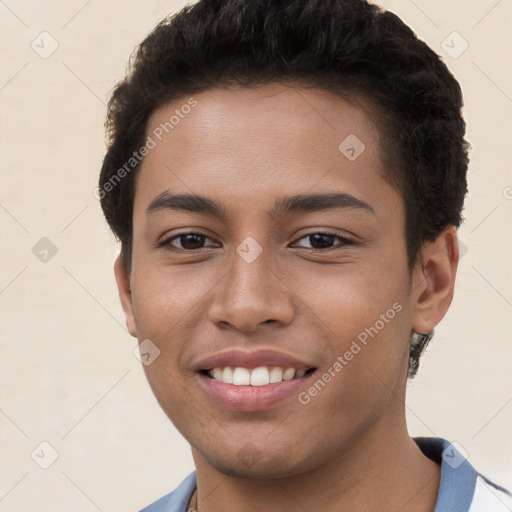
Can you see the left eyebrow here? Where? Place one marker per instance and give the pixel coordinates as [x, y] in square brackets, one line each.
[299, 203]
[317, 202]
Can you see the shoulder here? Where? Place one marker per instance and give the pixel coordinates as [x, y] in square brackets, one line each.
[489, 497]
[462, 488]
[177, 500]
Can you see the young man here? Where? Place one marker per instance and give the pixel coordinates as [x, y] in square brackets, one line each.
[286, 179]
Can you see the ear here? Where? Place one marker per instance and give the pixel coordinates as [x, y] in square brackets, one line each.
[434, 280]
[125, 294]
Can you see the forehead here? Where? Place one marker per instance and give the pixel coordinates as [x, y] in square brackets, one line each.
[249, 142]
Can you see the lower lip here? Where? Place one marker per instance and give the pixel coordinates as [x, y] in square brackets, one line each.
[250, 398]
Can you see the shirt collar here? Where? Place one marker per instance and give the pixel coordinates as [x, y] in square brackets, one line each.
[458, 477]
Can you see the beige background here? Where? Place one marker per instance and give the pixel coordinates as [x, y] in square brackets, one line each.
[69, 376]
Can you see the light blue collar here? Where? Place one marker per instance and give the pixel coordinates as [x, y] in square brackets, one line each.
[458, 477]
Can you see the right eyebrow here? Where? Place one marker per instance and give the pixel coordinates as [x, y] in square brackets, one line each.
[186, 202]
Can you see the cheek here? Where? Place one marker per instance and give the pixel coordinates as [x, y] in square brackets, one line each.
[364, 327]
[176, 397]
[351, 298]
[165, 299]
[362, 316]
[168, 306]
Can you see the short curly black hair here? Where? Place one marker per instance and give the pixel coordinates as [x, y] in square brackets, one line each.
[350, 47]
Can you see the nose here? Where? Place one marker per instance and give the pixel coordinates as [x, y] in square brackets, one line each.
[251, 294]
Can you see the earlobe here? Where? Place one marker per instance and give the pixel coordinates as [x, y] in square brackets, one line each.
[434, 280]
[125, 294]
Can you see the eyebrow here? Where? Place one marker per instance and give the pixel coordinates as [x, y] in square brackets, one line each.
[300, 203]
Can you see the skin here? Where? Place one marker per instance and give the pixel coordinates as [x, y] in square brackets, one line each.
[348, 448]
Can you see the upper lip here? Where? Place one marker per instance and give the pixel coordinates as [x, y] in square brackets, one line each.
[251, 359]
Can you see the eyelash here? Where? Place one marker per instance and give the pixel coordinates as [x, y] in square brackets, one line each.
[167, 242]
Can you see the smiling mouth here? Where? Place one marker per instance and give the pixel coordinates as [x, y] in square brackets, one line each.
[255, 377]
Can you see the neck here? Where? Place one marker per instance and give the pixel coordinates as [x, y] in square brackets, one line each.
[382, 470]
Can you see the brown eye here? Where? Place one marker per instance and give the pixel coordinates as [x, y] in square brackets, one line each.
[186, 241]
[324, 241]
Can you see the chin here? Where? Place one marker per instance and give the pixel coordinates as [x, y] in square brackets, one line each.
[249, 462]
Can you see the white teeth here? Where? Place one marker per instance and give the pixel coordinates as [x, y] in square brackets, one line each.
[227, 375]
[217, 373]
[288, 374]
[276, 375]
[260, 376]
[241, 377]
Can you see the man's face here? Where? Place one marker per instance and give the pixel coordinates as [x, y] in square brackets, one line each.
[271, 287]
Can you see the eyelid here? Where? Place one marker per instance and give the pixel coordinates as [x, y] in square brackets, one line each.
[167, 240]
[345, 240]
